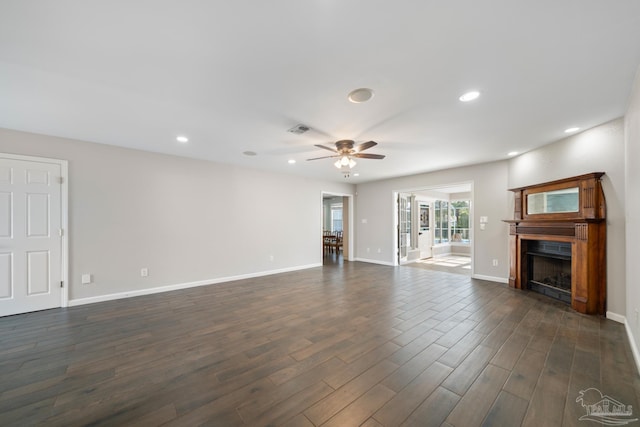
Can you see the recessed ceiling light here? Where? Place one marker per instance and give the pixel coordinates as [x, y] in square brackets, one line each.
[571, 130]
[182, 139]
[469, 96]
[249, 153]
[512, 153]
[291, 161]
[360, 95]
[356, 174]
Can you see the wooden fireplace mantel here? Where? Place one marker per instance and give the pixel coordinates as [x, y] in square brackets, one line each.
[584, 228]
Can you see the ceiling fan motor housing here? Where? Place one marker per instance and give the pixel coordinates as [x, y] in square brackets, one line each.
[344, 145]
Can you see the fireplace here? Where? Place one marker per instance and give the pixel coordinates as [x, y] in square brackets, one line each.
[557, 241]
[549, 269]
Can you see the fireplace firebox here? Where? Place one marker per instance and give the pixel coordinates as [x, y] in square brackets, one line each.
[557, 241]
[549, 269]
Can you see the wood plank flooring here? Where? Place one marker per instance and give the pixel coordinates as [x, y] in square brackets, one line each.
[343, 345]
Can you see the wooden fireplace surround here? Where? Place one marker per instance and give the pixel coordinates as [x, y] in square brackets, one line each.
[584, 229]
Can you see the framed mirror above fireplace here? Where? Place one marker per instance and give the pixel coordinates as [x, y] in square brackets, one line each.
[557, 241]
[566, 200]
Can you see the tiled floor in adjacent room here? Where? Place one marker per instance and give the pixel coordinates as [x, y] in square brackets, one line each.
[458, 264]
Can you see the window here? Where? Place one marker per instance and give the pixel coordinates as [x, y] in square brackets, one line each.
[459, 221]
[451, 221]
[441, 221]
[336, 217]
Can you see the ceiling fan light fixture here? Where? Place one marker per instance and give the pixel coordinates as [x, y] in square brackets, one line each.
[469, 96]
[352, 163]
[358, 96]
[338, 164]
[344, 161]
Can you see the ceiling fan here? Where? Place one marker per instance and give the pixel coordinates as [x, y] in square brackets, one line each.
[346, 152]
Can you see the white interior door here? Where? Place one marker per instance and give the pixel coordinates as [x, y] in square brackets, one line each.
[425, 240]
[30, 236]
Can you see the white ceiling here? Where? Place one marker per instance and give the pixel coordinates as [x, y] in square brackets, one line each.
[235, 75]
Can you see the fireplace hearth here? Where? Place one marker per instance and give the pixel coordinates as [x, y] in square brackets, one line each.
[557, 241]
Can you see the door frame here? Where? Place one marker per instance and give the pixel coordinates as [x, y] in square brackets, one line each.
[349, 218]
[417, 189]
[64, 216]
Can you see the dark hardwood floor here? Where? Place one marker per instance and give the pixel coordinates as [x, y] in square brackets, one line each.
[346, 344]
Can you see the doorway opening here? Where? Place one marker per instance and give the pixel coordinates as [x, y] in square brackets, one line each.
[434, 228]
[337, 234]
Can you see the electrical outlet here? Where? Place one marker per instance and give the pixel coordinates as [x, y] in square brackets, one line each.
[144, 272]
[379, 250]
[86, 279]
[368, 250]
[270, 257]
[495, 262]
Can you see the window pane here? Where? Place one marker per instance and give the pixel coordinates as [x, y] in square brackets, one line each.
[441, 220]
[436, 222]
[336, 218]
[460, 221]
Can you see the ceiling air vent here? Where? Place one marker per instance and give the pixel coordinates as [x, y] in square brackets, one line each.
[299, 129]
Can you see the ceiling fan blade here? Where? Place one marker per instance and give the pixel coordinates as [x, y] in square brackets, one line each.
[365, 146]
[368, 156]
[325, 157]
[326, 148]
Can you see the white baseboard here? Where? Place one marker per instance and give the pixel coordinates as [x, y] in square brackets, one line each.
[167, 288]
[490, 278]
[375, 261]
[616, 317]
[632, 343]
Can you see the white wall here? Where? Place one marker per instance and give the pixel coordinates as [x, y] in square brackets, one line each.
[600, 149]
[376, 205]
[632, 197]
[185, 220]
[460, 196]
